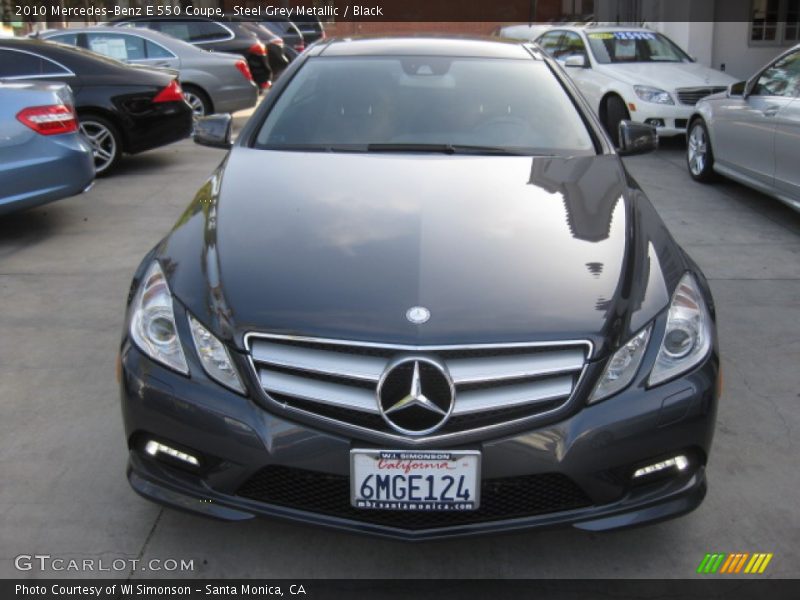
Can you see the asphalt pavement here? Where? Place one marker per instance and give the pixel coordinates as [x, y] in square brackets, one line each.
[65, 269]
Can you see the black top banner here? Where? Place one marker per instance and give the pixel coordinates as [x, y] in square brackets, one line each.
[499, 11]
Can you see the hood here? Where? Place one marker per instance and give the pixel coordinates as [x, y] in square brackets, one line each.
[668, 75]
[341, 245]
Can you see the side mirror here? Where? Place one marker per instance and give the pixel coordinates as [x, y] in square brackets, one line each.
[636, 138]
[214, 131]
[737, 89]
[577, 60]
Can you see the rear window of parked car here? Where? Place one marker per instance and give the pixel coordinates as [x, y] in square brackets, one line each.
[24, 64]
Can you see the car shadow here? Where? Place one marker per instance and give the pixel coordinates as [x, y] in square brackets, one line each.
[26, 228]
[147, 162]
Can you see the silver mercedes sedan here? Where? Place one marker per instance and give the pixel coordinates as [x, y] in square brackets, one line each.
[751, 132]
[212, 82]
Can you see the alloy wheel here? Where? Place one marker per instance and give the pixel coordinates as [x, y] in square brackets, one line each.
[103, 143]
[697, 149]
[196, 102]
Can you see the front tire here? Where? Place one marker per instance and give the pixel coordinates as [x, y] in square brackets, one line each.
[615, 113]
[105, 140]
[699, 157]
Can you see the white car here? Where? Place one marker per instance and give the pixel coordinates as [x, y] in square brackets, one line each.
[633, 73]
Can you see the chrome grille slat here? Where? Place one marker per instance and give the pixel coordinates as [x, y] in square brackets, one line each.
[691, 96]
[513, 395]
[368, 368]
[318, 391]
[496, 368]
[335, 381]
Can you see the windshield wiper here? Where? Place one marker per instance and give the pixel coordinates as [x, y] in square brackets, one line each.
[314, 147]
[442, 148]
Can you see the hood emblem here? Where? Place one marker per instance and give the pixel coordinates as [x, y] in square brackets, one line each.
[418, 315]
[415, 395]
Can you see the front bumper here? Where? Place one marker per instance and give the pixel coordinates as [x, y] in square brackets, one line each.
[673, 117]
[597, 449]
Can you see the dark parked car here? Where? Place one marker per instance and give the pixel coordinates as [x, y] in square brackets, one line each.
[478, 323]
[229, 36]
[286, 29]
[311, 28]
[278, 60]
[43, 157]
[121, 108]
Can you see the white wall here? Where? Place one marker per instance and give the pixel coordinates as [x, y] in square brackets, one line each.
[731, 48]
[696, 38]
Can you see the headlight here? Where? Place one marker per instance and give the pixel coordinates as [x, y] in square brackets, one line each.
[153, 321]
[214, 357]
[687, 337]
[652, 94]
[621, 367]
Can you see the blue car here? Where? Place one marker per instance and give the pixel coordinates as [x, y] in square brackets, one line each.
[43, 156]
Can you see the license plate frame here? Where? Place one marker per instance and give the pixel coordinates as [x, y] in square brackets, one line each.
[465, 477]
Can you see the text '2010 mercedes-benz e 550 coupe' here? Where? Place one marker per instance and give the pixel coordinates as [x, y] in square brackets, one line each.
[421, 297]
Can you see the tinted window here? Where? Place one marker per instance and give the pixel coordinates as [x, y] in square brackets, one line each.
[65, 38]
[174, 28]
[781, 79]
[571, 45]
[22, 64]
[206, 31]
[549, 41]
[117, 45]
[513, 104]
[634, 46]
[156, 51]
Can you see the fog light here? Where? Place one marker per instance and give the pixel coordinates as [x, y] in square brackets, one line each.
[679, 462]
[655, 122]
[154, 448]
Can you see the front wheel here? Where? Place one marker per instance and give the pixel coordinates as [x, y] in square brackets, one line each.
[615, 113]
[699, 157]
[105, 140]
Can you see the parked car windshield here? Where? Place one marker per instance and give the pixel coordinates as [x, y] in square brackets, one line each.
[634, 46]
[393, 103]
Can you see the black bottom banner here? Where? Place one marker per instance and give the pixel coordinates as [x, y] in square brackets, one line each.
[405, 589]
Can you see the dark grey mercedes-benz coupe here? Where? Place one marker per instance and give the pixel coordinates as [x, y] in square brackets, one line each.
[421, 297]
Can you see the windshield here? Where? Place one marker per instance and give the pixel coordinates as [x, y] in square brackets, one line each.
[416, 103]
[634, 46]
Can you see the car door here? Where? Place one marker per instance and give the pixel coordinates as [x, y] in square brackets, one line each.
[744, 126]
[787, 135]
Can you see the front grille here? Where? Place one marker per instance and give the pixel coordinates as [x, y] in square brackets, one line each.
[323, 493]
[691, 96]
[337, 381]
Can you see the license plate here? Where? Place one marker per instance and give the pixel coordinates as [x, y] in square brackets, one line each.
[411, 480]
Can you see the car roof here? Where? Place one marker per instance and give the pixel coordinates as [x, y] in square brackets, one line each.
[590, 28]
[150, 34]
[426, 46]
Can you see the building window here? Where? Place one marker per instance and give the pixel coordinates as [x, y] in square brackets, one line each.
[774, 22]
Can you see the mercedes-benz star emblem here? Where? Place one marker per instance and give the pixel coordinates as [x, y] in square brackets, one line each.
[415, 395]
[418, 315]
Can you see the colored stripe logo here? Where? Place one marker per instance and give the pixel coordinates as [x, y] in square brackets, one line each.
[735, 563]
